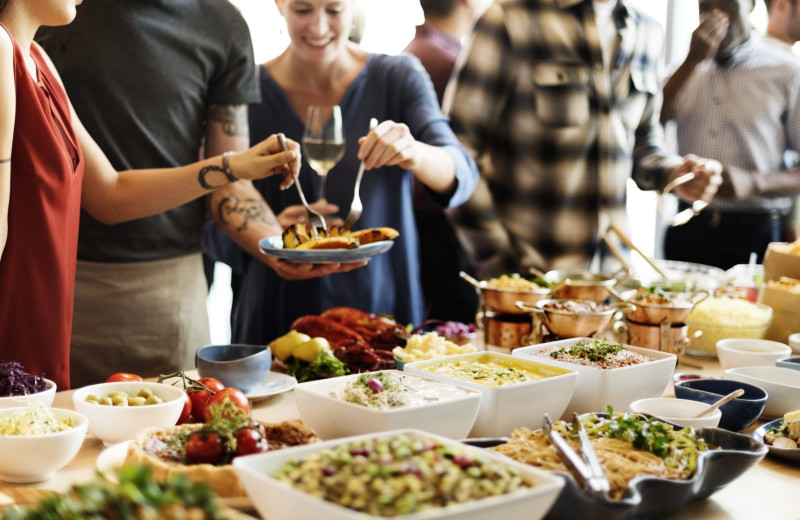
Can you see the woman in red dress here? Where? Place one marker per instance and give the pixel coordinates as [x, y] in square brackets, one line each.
[50, 167]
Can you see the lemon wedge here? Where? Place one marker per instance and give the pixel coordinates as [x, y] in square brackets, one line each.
[791, 417]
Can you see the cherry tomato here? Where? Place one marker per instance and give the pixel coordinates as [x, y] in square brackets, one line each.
[123, 376]
[200, 396]
[218, 400]
[187, 409]
[248, 441]
[205, 447]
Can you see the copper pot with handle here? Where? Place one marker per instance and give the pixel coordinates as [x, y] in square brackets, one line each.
[675, 311]
[502, 300]
[566, 323]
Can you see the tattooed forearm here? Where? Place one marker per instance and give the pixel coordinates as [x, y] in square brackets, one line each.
[250, 210]
[205, 170]
[232, 119]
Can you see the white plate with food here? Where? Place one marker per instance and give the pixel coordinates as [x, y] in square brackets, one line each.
[273, 246]
[784, 453]
[275, 383]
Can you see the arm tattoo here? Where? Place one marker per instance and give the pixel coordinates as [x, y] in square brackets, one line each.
[205, 170]
[233, 121]
[251, 210]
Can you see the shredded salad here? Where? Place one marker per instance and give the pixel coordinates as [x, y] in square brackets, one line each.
[35, 419]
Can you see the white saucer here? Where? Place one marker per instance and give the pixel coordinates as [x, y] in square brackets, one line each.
[112, 459]
[275, 383]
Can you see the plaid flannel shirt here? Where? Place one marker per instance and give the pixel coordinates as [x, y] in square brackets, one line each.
[555, 133]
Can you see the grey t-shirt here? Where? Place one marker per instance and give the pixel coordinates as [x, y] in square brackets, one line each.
[141, 75]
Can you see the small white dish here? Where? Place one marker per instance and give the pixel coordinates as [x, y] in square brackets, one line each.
[794, 342]
[275, 383]
[46, 396]
[748, 352]
[682, 412]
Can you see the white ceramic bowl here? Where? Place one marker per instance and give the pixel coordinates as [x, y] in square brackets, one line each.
[747, 352]
[452, 415]
[678, 411]
[46, 396]
[113, 424]
[34, 458]
[794, 342]
[781, 384]
[278, 500]
[617, 387]
[504, 408]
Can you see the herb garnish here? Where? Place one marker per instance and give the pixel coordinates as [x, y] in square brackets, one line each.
[597, 351]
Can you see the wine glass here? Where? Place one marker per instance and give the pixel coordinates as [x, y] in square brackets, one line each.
[323, 140]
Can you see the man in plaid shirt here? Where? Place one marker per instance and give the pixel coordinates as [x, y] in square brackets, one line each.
[558, 101]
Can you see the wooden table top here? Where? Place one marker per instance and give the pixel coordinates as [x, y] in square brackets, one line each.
[764, 491]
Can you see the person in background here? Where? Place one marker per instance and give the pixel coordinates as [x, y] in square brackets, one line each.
[735, 99]
[783, 31]
[50, 168]
[321, 67]
[558, 103]
[783, 24]
[437, 44]
[154, 97]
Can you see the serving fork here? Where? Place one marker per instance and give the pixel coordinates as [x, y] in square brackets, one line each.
[356, 207]
[314, 218]
[684, 216]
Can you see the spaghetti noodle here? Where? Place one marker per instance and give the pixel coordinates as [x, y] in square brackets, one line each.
[613, 442]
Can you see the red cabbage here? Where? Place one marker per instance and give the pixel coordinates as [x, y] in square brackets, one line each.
[15, 381]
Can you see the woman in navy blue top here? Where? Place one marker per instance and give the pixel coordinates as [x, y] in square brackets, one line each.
[413, 140]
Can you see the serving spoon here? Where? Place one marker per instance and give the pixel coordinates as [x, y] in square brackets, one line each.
[730, 397]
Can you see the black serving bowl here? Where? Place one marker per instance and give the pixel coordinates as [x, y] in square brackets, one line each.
[737, 414]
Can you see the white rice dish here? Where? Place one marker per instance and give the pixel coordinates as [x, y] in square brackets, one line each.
[721, 318]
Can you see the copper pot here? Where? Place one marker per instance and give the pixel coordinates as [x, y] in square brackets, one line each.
[569, 324]
[502, 300]
[653, 313]
[581, 285]
[506, 331]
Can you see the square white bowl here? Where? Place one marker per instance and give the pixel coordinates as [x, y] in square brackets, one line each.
[504, 408]
[331, 417]
[781, 384]
[278, 500]
[617, 387]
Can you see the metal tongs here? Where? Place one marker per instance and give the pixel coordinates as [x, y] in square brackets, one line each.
[585, 466]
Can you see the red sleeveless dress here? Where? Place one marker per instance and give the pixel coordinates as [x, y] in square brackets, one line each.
[37, 269]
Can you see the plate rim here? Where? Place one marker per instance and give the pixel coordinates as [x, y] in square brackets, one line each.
[784, 453]
[323, 256]
[106, 459]
[289, 382]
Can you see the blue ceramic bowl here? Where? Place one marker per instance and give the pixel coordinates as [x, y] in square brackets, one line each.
[792, 362]
[399, 362]
[239, 366]
[737, 414]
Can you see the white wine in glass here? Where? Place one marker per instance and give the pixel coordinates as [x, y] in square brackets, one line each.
[323, 140]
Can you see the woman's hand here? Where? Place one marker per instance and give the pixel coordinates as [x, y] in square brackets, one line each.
[389, 144]
[268, 158]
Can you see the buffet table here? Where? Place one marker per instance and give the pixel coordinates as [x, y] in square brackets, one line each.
[765, 491]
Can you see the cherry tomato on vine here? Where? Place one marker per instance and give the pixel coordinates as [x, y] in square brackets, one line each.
[234, 395]
[123, 376]
[200, 396]
[249, 441]
[205, 447]
[187, 409]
